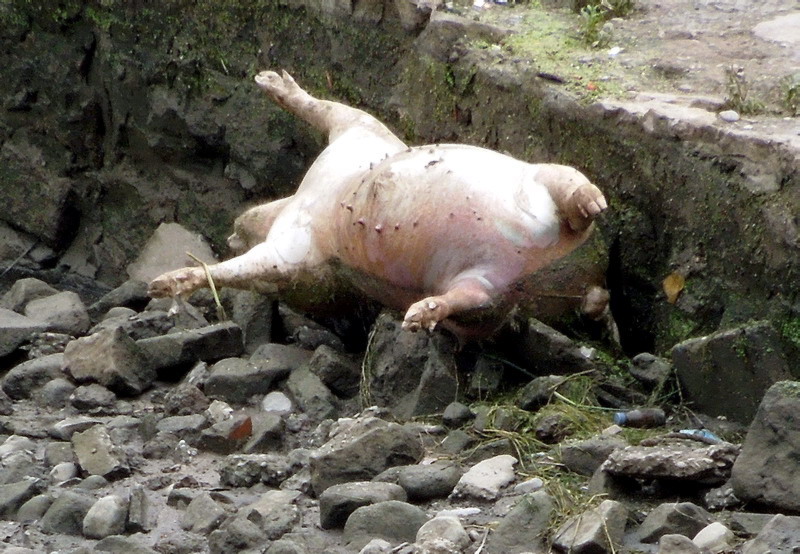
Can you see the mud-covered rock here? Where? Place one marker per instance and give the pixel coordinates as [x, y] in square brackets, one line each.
[765, 472]
[214, 342]
[245, 470]
[727, 373]
[650, 370]
[340, 373]
[130, 294]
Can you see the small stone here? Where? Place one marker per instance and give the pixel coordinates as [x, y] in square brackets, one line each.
[729, 116]
[714, 538]
[106, 517]
[531, 485]
[677, 544]
[276, 402]
[457, 414]
[485, 479]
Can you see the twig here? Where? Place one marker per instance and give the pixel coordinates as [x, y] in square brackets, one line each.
[220, 309]
[483, 542]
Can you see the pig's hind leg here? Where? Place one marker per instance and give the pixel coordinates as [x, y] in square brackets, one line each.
[465, 294]
[329, 117]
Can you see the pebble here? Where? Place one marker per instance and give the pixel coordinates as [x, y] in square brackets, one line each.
[729, 116]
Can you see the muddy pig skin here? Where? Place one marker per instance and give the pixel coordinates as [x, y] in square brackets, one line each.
[447, 233]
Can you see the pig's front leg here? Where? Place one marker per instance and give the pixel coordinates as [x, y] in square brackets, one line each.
[464, 295]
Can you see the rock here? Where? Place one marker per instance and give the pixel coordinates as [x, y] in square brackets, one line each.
[392, 520]
[15, 329]
[765, 472]
[597, 530]
[360, 450]
[214, 342]
[93, 398]
[138, 506]
[675, 459]
[236, 534]
[677, 544]
[525, 527]
[311, 395]
[729, 116]
[267, 435]
[185, 399]
[24, 291]
[63, 472]
[337, 502]
[24, 379]
[339, 372]
[116, 544]
[46, 344]
[63, 312]
[553, 428]
[425, 482]
[18, 466]
[33, 509]
[65, 428]
[376, 546]
[181, 542]
[106, 517]
[253, 312]
[750, 524]
[485, 479]
[236, 380]
[66, 514]
[245, 470]
[276, 512]
[97, 455]
[456, 442]
[226, 436]
[727, 373]
[457, 414]
[410, 373]
[538, 392]
[130, 294]
[683, 518]
[203, 514]
[486, 378]
[55, 393]
[112, 359]
[651, 371]
[546, 351]
[584, 457]
[443, 532]
[302, 542]
[166, 250]
[14, 495]
[149, 324]
[277, 403]
[780, 535]
[714, 538]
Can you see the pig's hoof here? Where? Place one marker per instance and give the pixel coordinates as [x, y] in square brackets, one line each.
[425, 314]
[181, 282]
[277, 86]
[586, 203]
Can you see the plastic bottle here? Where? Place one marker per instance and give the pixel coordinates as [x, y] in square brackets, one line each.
[644, 417]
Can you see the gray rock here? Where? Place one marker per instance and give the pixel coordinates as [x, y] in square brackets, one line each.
[306, 333]
[236, 380]
[339, 372]
[57, 452]
[750, 524]
[311, 395]
[245, 470]
[425, 482]
[275, 512]
[457, 414]
[780, 535]
[253, 313]
[682, 518]
[457, 441]
[538, 392]
[651, 371]
[14, 495]
[267, 436]
[410, 373]
[392, 520]
[203, 514]
[23, 379]
[484, 480]
[546, 351]
[185, 399]
[181, 542]
[584, 457]
[55, 393]
[226, 436]
[145, 325]
[302, 543]
[766, 471]
[65, 428]
[727, 373]
[675, 459]
[63, 312]
[18, 466]
[214, 342]
[138, 509]
[15, 329]
[166, 250]
[97, 455]
[47, 343]
[24, 291]
[597, 530]
[525, 527]
[729, 116]
[34, 509]
[187, 427]
[63, 472]
[112, 359]
[714, 538]
[337, 502]
[65, 515]
[106, 517]
[93, 398]
[277, 403]
[117, 544]
[236, 534]
[677, 544]
[130, 294]
[360, 450]
[443, 532]
[486, 378]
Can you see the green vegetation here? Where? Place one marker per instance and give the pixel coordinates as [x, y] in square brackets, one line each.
[594, 15]
[790, 94]
[738, 94]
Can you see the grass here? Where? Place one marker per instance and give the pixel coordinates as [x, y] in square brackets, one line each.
[738, 94]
